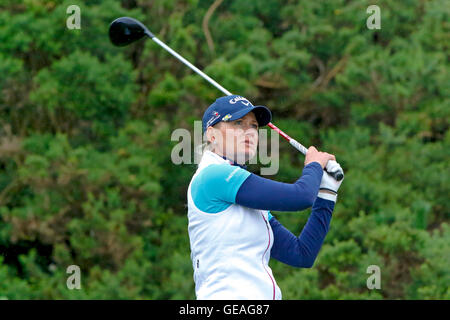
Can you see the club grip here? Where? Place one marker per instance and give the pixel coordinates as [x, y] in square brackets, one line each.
[298, 146]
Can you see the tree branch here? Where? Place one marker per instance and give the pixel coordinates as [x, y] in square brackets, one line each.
[206, 18]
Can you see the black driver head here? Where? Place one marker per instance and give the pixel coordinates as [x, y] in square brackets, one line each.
[125, 30]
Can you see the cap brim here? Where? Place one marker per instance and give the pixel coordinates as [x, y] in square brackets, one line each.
[262, 114]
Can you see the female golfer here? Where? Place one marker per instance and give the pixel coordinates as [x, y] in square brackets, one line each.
[231, 230]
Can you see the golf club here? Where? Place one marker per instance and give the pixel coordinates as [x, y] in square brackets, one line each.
[125, 30]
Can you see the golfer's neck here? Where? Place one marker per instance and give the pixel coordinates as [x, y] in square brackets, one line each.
[231, 158]
[220, 153]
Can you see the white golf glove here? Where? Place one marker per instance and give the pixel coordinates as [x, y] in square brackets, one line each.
[329, 183]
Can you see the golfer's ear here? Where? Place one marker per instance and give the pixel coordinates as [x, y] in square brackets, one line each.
[209, 133]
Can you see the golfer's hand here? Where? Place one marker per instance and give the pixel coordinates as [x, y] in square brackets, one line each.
[329, 186]
[329, 183]
[321, 157]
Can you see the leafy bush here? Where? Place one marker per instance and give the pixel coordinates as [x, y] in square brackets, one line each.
[85, 171]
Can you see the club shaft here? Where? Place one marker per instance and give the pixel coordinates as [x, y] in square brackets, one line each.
[297, 145]
[190, 65]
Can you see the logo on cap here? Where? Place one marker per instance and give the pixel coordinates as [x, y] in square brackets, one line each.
[216, 116]
[241, 99]
[227, 117]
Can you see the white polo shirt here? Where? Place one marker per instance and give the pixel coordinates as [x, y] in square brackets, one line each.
[230, 244]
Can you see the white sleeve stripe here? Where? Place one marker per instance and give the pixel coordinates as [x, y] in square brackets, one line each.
[327, 196]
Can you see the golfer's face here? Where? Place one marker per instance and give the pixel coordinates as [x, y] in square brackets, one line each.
[240, 138]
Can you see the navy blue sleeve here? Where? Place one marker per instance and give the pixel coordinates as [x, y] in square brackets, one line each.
[265, 194]
[302, 251]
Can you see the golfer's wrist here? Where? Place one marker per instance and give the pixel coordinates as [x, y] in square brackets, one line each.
[328, 195]
[327, 191]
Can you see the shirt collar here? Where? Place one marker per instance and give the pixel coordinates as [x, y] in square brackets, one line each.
[243, 166]
[213, 157]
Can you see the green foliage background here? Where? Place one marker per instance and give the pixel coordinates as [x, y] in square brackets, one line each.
[85, 170]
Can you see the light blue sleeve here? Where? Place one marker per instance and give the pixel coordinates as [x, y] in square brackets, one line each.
[214, 189]
[270, 216]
